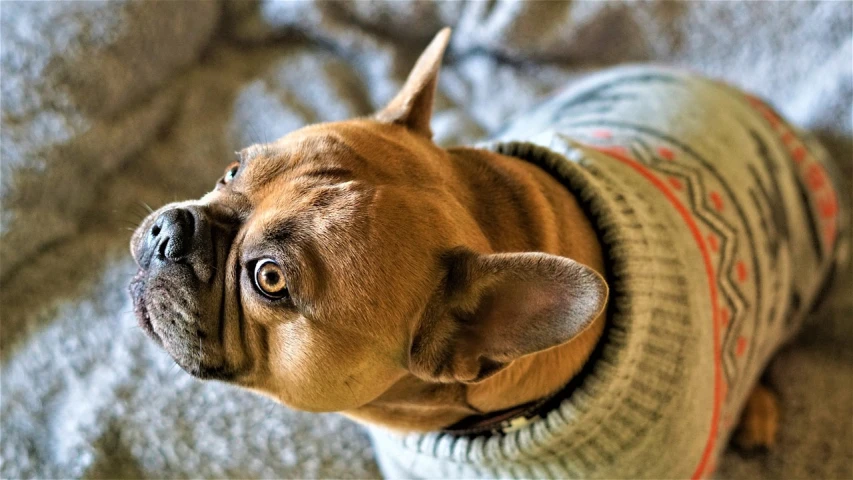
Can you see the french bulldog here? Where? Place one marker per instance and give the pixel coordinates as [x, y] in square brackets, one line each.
[358, 267]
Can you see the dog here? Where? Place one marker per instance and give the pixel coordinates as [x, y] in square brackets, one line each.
[594, 293]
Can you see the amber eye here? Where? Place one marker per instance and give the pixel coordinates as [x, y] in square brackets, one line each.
[231, 172]
[269, 279]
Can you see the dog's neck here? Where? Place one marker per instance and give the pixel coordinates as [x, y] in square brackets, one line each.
[527, 209]
[518, 207]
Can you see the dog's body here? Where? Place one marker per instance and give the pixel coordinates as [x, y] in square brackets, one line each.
[358, 267]
[706, 233]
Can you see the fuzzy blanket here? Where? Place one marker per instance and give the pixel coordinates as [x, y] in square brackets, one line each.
[107, 106]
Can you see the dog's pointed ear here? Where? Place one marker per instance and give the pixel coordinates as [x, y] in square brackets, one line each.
[412, 107]
[493, 309]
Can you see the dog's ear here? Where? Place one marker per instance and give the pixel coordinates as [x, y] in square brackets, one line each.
[412, 107]
[493, 309]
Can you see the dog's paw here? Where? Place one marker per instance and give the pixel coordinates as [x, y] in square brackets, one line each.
[759, 421]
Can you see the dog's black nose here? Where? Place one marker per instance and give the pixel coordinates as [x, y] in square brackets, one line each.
[170, 238]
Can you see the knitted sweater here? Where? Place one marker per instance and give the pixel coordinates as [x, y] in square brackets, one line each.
[720, 226]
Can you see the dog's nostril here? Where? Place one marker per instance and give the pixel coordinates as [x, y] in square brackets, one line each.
[162, 246]
[170, 237]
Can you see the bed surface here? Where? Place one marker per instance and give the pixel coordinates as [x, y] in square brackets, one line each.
[107, 106]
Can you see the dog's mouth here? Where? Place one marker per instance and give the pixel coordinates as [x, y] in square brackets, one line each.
[162, 311]
[191, 351]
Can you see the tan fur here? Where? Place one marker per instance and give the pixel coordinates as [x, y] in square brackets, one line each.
[360, 215]
[759, 421]
[552, 211]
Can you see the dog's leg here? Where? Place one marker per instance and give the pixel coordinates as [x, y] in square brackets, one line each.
[759, 421]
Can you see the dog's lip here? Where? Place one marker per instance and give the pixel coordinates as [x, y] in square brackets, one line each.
[143, 317]
[207, 372]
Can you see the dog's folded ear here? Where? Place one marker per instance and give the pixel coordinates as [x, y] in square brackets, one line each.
[412, 107]
[493, 309]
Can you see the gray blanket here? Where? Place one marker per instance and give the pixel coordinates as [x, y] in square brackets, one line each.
[109, 106]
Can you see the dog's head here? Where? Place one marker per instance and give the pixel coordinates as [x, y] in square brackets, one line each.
[333, 263]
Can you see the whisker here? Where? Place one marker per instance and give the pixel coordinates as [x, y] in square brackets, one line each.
[135, 221]
[253, 133]
[140, 208]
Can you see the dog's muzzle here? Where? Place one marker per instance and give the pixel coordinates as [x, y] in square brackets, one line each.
[177, 296]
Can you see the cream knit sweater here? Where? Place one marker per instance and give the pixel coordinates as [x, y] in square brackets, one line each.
[720, 225]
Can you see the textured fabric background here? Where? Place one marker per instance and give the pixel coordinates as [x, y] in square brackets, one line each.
[107, 105]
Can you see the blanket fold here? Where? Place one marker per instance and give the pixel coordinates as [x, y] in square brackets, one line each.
[107, 106]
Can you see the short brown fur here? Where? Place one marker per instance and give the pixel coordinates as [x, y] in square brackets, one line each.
[399, 257]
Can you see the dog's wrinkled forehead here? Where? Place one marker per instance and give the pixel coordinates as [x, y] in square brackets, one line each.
[307, 160]
[305, 183]
[361, 150]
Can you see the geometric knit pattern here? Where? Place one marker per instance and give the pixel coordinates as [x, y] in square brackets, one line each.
[720, 227]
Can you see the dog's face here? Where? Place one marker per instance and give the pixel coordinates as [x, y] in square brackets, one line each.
[293, 276]
[326, 266]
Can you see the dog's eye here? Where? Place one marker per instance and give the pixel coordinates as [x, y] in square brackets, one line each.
[269, 279]
[230, 173]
